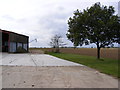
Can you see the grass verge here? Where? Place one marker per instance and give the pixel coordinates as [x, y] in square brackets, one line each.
[104, 65]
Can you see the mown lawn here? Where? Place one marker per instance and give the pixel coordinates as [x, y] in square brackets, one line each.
[104, 65]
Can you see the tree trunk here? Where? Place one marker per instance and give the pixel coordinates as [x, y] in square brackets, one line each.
[98, 52]
[57, 50]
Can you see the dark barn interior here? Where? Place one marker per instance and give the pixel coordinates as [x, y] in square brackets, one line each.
[5, 38]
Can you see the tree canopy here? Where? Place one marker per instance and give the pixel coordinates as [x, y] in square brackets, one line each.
[97, 24]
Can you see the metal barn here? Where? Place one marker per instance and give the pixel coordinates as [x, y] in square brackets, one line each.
[11, 41]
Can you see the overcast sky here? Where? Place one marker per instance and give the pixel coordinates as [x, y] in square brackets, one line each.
[42, 19]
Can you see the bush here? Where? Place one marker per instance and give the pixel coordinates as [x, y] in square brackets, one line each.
[21, 50]
[45, 52]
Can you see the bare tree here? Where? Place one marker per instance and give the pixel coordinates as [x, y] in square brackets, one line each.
[56, 42]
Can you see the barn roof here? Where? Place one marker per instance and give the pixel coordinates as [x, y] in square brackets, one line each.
[5, 31]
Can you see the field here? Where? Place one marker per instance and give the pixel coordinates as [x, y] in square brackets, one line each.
[111, 53]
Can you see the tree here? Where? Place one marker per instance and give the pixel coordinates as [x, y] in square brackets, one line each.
[96, 24]
[56, 42]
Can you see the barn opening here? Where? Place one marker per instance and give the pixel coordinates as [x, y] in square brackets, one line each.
[5, 38]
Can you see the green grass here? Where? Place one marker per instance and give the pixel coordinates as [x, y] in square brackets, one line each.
[104, 65]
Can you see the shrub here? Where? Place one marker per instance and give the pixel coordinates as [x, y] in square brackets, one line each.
[21, 50]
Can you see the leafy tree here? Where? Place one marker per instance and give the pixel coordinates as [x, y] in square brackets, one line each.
[56, 42]
[96, 24]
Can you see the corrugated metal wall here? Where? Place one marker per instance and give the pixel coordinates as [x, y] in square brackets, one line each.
[12, 47]
[18, 38]
[25, 46]
[17, 41]
[19, 45]
[0, 41]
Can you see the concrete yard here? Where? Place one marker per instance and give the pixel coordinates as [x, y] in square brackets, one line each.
[34, 60]
[45, 71]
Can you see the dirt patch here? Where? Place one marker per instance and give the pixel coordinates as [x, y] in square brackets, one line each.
[36, 51]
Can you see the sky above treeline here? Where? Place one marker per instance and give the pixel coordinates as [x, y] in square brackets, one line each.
[42, 19]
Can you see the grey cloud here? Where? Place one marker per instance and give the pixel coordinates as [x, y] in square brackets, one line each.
[8, 17]
[55, 21]
[61, 8]
[22, 20]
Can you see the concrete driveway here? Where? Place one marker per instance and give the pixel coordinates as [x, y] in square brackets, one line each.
[45, 71]
[34, 60]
